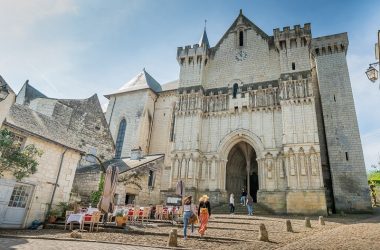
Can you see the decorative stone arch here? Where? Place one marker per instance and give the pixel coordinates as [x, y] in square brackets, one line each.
[229, 141]
[240, 135]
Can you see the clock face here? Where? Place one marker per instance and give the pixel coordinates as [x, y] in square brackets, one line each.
[241, 55]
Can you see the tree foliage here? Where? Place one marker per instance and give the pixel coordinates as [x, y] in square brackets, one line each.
[95, 195]
[21, 162]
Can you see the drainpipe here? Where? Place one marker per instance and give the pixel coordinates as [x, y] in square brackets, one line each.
[55, 185]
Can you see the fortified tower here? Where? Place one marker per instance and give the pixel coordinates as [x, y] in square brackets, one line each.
[192, 61]
[293, 46]
[345, 153]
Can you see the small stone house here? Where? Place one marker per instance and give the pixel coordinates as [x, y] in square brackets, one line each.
[65, 130]
[146, 167]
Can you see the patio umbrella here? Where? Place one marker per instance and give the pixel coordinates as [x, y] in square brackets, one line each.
[180, 188]
[110, 182]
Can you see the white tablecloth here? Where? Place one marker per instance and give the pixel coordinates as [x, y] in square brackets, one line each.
[75, 218]
[91, 210]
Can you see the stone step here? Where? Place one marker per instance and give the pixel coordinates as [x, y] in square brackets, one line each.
[240, 209]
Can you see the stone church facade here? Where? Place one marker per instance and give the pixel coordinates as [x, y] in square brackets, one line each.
[271, 113]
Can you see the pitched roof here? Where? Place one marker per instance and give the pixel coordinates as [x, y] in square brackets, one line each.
[173, 85]
[247, 22]
[28, 93]
[141, 81]
[5, 89]
[203, 42]
[24, 118]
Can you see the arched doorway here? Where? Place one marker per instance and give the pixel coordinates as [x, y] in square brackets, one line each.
[242, 166]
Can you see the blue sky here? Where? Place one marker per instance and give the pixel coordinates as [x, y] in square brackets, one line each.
[73, 49]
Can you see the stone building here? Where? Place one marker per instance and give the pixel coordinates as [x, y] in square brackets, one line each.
[270, 113]
[65, 130]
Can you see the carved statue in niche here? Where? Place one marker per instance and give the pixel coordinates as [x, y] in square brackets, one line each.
[300, 89]
[290, 88]
[184, 103]
[269, 168]
[281, 168]
[270, 95]
[220, 101]
[211, 103]
[177, 105]
[260, 97]
[313, 164]
[281, 91]
[292, 165]
[192, 102]
[254, 99]
[301, 159]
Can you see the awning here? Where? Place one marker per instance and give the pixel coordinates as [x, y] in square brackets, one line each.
[126, 164]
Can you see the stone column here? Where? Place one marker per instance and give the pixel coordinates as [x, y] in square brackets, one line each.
[248, 168]
[287, 165]
[171, 172]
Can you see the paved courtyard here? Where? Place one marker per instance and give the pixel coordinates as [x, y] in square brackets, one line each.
[360, 231]
[42, 244]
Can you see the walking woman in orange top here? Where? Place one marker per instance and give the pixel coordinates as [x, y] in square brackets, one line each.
[204, 213]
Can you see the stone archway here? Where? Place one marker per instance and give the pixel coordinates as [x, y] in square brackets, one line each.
[241, 138]
[242, 170]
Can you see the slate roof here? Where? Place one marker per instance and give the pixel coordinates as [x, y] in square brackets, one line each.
[28, 93]
[143, 80]
[173, 85]
[24, 118]
[5, 89]
[204, 40]
[246, 21]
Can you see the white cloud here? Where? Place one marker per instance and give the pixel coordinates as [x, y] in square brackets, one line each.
[17, 17]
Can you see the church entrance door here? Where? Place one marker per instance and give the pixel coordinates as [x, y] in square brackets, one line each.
[242, 171]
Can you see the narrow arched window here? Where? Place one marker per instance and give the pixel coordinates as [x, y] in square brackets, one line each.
[235, 90]
[120, 138]
[241, 38]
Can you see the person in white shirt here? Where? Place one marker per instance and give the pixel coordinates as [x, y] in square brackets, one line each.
[232, 204]
[187, 213]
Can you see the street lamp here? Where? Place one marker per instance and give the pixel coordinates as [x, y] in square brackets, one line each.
[372, 73]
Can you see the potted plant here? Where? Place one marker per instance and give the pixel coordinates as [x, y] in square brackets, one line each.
[119, 218]
[52, 216]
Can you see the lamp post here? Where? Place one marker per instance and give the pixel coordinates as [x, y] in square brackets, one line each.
[372, 73]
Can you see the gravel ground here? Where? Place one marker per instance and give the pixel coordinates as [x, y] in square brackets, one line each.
[240, 232]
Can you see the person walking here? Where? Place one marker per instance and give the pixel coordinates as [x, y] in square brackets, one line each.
[187, 213]
[250, 205]
[204, 213]
[232, 204]
[243, 197]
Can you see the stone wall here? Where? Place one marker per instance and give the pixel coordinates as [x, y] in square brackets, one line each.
[349, 180]
[5, 106]
[45, 177]
[129, 106]
[85, 183]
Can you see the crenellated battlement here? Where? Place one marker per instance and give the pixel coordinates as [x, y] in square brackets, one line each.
[329, 44]
[292, 38]
[191, 51]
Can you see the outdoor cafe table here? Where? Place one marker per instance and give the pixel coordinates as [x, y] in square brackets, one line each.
[76, 218]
